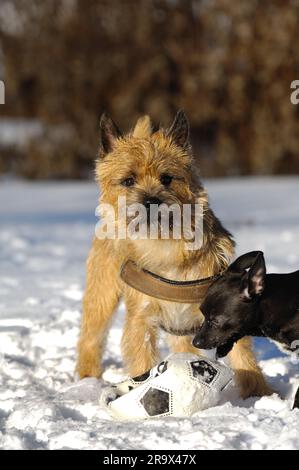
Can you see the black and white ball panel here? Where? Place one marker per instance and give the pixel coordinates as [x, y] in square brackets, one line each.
[143, 377]
[156, 402]
[204, 371]
[162, 367]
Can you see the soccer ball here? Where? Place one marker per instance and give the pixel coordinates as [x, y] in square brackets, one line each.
[179, 386]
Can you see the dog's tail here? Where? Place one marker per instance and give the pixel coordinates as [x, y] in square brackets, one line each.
[296, 402]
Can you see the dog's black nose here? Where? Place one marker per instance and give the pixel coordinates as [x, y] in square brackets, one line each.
[149, 201]
[196, 342]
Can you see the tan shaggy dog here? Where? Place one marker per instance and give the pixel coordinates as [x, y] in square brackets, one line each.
[147, 166]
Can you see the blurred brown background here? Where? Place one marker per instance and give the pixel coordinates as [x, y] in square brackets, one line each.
[228, 63]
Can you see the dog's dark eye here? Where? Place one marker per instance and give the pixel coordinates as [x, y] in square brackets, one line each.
[128, 182]
[166, 179]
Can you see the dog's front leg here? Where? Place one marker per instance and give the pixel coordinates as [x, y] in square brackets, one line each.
[101, 297]
[248, 374]
[139, 348]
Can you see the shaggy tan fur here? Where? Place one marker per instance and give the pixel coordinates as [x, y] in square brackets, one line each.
[146, 156]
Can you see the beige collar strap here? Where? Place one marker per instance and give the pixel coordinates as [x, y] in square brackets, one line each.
[165, 289]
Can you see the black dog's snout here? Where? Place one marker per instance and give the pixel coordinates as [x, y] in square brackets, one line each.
[196, 342]
[149, 201]
[198, 338]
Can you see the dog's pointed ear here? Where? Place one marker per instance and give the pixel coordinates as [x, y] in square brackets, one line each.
[179, 130]
[109, 134]
[244, 262]
[143, 128]
[254, 281]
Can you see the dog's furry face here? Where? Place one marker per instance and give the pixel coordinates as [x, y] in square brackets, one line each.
[147, 167]
[222, 327]
[230, 306]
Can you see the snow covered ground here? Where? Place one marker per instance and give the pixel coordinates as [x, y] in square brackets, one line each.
[45, 233]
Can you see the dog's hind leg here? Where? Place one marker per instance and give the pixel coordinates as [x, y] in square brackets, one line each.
[296, 402]
[249, 376]
[101, 297]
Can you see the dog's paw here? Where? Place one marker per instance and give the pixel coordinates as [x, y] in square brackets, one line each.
[252, 384]
[88, 371]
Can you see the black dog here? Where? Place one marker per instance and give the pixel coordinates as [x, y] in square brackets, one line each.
[246, 301]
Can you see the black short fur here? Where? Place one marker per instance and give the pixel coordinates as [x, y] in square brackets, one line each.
[246, 301]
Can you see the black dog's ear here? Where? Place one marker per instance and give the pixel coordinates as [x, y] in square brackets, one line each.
[109, 133]
[245, 261]
[179, 130]
[253, 281]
